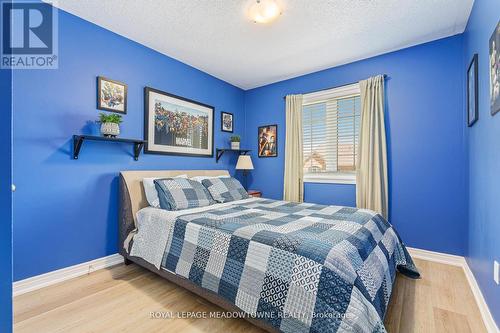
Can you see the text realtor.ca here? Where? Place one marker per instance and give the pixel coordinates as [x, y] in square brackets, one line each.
[29, 35]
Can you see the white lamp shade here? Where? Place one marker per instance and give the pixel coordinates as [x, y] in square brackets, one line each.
[244, 163]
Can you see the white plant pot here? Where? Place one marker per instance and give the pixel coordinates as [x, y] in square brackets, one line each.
[235, 145]
[110, 129]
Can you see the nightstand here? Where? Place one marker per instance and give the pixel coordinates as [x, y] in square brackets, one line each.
[255, 193]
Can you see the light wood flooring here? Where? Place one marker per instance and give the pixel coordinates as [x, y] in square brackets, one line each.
[120, 299]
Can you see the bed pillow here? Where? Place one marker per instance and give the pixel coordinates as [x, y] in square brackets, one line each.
[150, 190]
[182, 193]
[225, 189]
[202, 178]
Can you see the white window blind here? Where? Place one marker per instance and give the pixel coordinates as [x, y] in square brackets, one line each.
[331, 121]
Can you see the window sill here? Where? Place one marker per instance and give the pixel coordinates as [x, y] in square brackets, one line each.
[331, 179]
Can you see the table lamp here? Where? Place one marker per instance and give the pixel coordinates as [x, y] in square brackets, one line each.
[244, 163]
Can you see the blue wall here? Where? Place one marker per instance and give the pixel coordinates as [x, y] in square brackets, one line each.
[66, 210]
[5, 201]
[484, 160]
[425, 132]
[329, 194]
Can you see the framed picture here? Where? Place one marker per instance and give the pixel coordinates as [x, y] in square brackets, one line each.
[111, 95]
[472, 92]
[495, 70]
[226, 122]
[175, 125]
[268, 141]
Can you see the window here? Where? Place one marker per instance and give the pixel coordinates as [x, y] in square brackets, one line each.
[331, 121]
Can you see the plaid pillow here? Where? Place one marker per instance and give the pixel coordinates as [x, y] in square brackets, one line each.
[182, 193]
[225, 189]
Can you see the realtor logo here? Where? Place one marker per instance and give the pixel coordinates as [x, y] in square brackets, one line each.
[29, 35]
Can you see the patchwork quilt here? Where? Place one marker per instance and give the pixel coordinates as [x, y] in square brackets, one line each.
[300, 267]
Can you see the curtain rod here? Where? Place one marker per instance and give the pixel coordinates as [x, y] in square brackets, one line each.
[347, 84]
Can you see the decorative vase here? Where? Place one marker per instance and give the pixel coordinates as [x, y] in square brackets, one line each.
[235, 145]
[110, 130]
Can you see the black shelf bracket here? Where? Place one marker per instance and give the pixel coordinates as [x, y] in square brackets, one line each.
[78, 142]
[219, 152]
[137, 149]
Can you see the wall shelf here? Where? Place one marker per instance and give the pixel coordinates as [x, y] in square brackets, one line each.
[78, 141]
[220, 151]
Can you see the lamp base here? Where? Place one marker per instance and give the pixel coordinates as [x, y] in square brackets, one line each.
[245, 180]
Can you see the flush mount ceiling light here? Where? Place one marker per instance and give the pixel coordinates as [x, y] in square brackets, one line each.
[264, 11]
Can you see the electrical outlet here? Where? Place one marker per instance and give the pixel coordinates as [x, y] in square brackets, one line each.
[496, 272]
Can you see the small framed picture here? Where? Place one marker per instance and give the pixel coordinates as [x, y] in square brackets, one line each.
[111, 95]
[268, 141]
[472, 92]
[495, 70]
[226, 122]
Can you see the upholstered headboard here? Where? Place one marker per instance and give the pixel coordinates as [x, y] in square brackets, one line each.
[133, 197]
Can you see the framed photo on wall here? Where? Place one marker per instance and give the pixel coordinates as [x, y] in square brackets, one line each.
[495, 70]
[174, 125]
[268, 141]
[111, 95]
[472, 92]
[226, 122]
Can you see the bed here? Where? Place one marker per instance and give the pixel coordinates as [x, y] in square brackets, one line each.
[289, 267]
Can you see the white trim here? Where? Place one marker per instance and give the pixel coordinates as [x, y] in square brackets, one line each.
[442, 258]
[331, 178]
[488, 320]
[63, 274]
[323, 95]
[454, 260]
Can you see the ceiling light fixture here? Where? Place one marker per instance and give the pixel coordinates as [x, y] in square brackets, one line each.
[264, 11]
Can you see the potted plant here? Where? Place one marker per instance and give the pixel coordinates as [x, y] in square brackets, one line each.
[110, 124]
[235, 141]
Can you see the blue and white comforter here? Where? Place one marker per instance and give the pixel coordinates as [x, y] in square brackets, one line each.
[300, 267]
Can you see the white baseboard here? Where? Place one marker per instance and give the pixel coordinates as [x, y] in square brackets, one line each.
[489, 322]
[63, 274]
[454, 260]
[442, 258]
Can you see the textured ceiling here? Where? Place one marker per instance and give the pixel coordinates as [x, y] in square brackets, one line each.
[216, 36]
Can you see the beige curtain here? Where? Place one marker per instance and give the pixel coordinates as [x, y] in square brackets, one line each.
[293, 185]
[371, 177]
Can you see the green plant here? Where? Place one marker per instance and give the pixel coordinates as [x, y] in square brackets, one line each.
[110, 118]
[235, 138]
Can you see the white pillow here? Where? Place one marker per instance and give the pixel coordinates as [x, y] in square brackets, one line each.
[150, 190]
[201, 178]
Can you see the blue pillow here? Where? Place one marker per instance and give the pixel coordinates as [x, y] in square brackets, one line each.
[225, 189]
[182, 193]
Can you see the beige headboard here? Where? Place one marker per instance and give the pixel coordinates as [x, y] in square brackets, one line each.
[133, 197]
[133, 180]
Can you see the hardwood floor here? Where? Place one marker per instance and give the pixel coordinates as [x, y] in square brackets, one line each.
[121, 299]
[441, 301]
